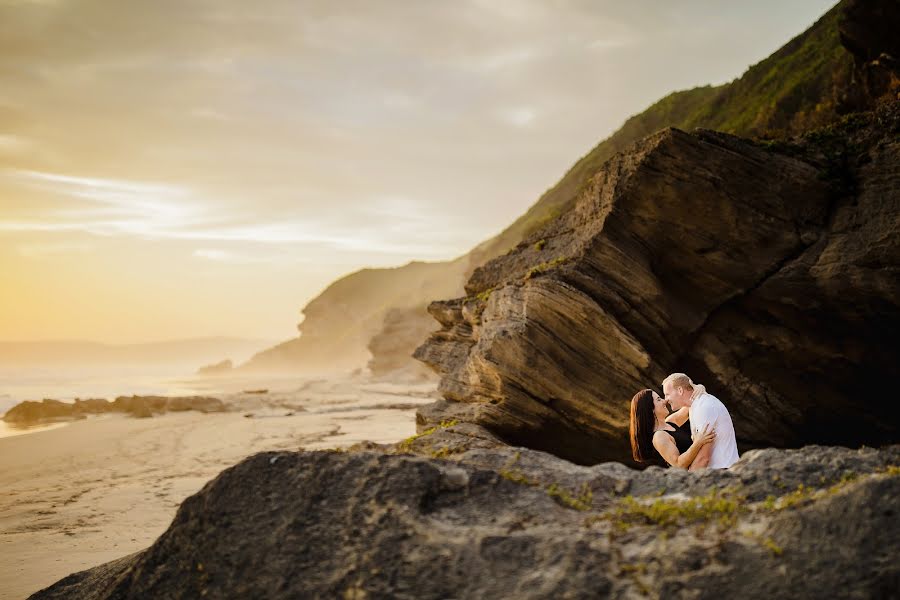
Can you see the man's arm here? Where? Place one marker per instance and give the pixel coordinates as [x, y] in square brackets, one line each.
[701, 461]
[701, 416]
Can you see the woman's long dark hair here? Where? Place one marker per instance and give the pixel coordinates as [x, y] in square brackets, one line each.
[643, 421]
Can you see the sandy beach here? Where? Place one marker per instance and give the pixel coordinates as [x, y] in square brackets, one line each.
[100, 488]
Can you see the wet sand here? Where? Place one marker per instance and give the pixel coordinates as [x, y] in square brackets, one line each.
[98, 489]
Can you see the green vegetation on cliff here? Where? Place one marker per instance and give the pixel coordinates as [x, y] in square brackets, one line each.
[795, 89]
[791, 91]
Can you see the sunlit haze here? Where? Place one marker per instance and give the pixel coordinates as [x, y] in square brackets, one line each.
[183, 169]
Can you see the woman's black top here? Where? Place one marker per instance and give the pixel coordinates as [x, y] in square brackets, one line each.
[681, 436]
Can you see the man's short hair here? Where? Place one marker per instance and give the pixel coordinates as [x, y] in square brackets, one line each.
[679, 379]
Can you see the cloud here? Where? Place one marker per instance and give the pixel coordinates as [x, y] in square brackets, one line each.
[502, 59]
[274, 148]
[220, 122]
[105, 206]
[389, 225]
[521, 116]
[131, 194]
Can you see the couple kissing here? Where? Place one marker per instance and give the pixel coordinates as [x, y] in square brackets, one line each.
[699, 433]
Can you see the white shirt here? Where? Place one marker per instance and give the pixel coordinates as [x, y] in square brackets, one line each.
[707, 409]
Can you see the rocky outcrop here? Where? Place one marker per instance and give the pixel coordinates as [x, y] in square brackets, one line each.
[218, 368]
[50, 410]
[31, 412]
[392, 347]
[202, 404]
[339, 323]
[769, 272]
[516, 523]
[146, 406]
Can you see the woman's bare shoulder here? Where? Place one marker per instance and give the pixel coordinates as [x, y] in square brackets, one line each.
[660, 436]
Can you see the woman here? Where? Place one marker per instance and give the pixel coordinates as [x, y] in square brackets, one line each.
[657, 434]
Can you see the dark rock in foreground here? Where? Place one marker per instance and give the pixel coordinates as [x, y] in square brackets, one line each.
[516, 523]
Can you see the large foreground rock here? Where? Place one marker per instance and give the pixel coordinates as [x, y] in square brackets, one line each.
[768, 272]
[516, 523]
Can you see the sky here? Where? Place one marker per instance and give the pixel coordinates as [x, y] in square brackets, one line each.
[187, 168]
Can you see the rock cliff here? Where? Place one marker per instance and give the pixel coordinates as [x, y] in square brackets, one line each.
[809, 82]
[339, 324]
[768, 271]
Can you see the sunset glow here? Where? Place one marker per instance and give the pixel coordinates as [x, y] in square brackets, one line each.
[188, 169]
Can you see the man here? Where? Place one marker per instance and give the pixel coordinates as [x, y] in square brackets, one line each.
[704, 409]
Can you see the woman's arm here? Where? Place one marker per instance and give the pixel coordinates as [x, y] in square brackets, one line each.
[679, 416]
[666, 447]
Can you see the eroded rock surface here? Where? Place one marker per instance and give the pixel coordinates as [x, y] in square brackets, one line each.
[769, 272]
[516, 523]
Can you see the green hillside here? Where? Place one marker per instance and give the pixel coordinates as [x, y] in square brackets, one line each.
[790, 91]
[799, 87]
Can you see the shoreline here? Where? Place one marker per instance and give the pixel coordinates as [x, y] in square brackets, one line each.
[92, 490]
[7, 430]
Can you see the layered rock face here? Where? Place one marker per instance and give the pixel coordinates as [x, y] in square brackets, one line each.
[770, 273]
[516, 523]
